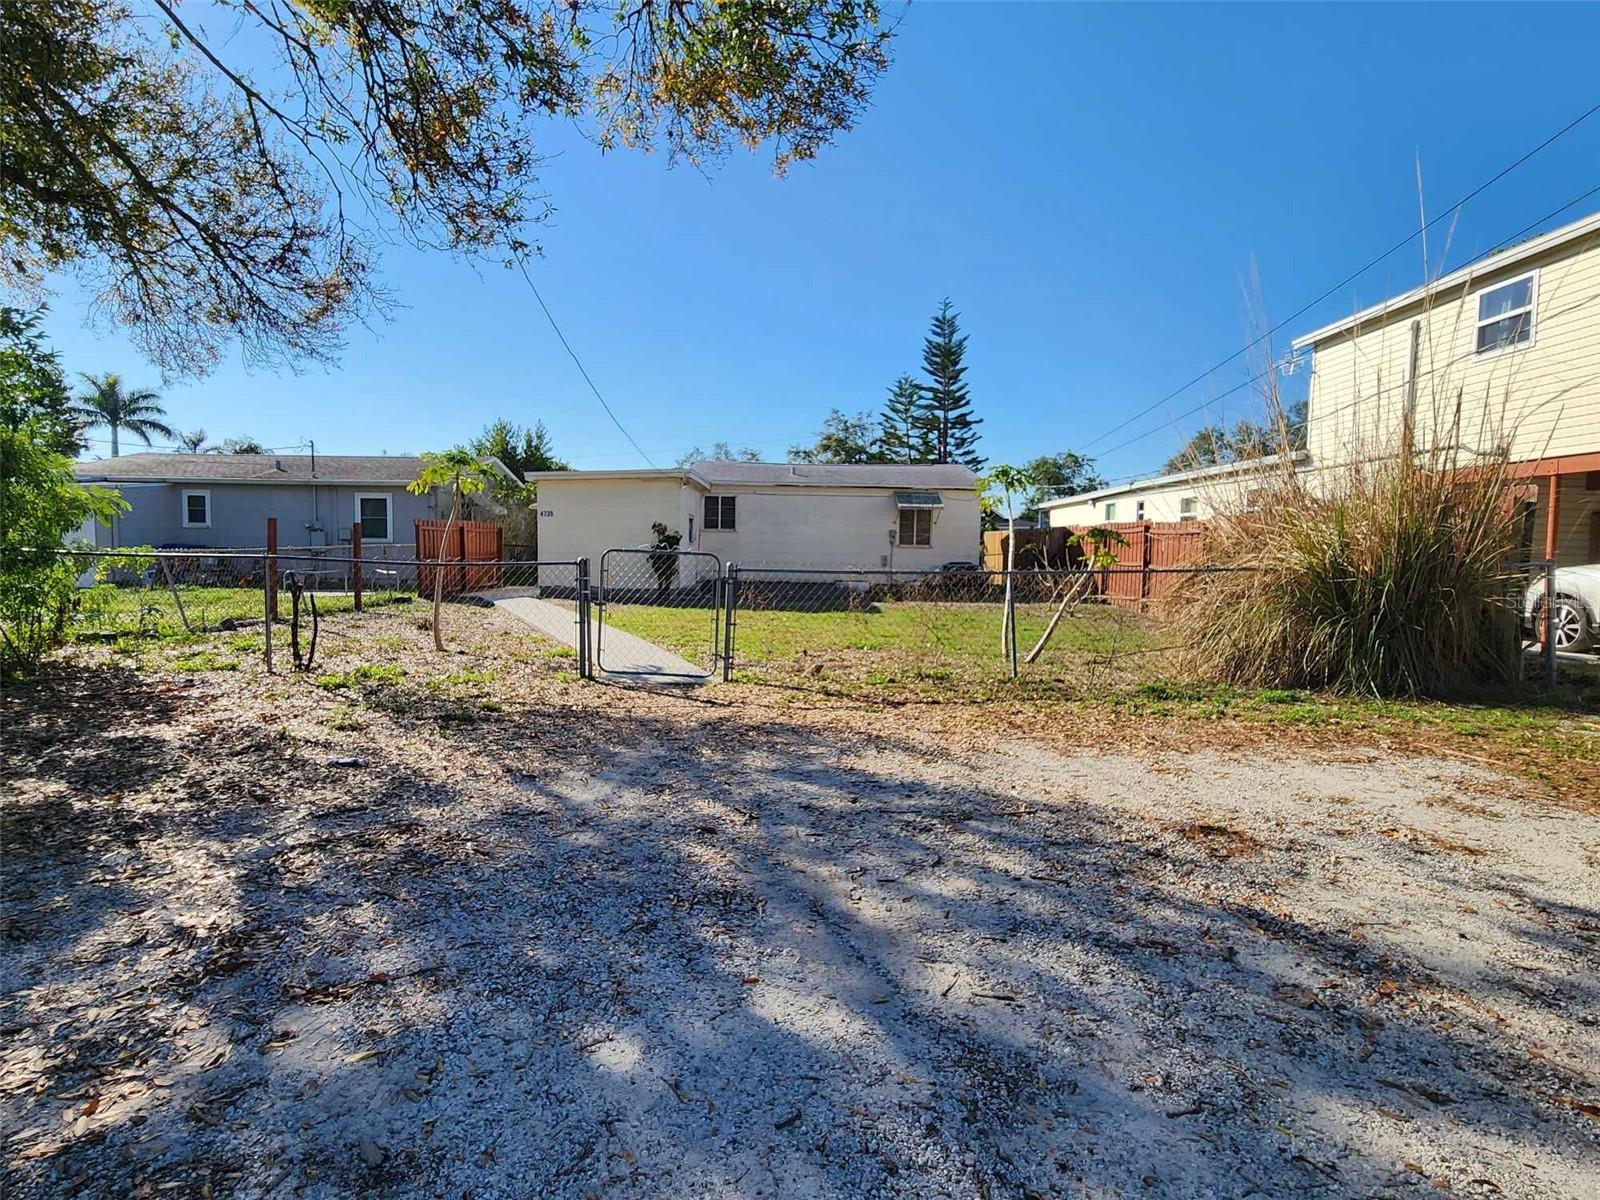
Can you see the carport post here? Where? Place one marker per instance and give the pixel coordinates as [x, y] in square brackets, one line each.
[730, 610]
[1550, 622]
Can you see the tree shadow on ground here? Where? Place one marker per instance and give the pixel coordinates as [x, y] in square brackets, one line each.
[625, 953]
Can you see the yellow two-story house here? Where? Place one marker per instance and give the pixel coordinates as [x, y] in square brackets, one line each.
[1503, 353]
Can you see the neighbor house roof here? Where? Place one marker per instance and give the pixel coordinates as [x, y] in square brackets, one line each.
[1510, 257]
[395, 470]
[1155, 481]
[721, 473]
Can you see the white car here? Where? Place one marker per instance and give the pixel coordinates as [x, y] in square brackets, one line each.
[1576, 612]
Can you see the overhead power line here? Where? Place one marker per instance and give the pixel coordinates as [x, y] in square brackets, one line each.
[1504, 243]
[522, 266]
[1348, 279]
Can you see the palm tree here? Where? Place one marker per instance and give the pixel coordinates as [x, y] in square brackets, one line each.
[193, 442]
[108, 403]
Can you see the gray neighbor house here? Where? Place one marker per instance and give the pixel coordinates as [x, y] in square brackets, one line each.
[222, 501]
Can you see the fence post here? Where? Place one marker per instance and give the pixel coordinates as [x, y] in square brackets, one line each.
[272, 567]
[1144, 573]
[1550, 622]
[1011, 623]
[266, 607]
[583, 619]
[730, 610]
[355, 562]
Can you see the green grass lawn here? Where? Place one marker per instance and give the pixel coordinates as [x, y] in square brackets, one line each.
[107, 610]
[957, 637]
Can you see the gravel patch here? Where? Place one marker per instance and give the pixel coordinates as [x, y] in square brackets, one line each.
[610, 943]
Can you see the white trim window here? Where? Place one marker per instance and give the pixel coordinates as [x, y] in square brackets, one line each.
[1138, 511]
[1189, 508]
[196, 509]
[916, 527]
[1110, 511]
[721, 513]
[375, 511]
[1505, 314]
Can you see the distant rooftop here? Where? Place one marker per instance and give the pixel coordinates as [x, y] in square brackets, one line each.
[716, 472]
[886, 475]
[392, 469]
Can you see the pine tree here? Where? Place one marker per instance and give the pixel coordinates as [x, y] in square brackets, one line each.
[950, 422]
[903, 433]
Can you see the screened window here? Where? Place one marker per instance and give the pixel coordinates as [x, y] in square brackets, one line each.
[375, 514]
[916, 527]
[1505, 314]
[1111, 510]
[720, 512]
[197, 510]
[1189, 508]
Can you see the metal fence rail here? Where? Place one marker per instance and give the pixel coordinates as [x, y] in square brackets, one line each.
[684, 615]
[170, 592]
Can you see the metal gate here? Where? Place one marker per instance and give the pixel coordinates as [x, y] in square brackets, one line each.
[660, 613]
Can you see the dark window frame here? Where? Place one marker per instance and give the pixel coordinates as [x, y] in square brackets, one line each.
[919, 537]
[720, 513]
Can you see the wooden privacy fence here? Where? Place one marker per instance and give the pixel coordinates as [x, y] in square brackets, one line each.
[469, 543]
[1138, 581]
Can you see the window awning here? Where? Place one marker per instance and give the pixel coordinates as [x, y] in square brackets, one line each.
[917, 500]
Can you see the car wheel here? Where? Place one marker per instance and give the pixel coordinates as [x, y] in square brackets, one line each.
[1571, 622]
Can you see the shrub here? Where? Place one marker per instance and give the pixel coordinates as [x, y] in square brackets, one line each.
[1386, 577]
[41, 504]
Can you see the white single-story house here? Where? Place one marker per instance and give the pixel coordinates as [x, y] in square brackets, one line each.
[1193, 495]
[826, 516]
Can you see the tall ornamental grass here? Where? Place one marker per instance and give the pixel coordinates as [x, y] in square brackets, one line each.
[1387, 576]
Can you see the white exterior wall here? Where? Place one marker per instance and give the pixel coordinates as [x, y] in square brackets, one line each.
[775, 526]
[1162, 501]
[839, 527]
[1542, 396]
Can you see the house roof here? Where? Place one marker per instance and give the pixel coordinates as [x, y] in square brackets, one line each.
[390, 469]
[884, 475]
[1510, 257]
[1196, 473]
[721, 473]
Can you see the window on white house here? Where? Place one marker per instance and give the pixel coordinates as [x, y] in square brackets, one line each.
[1505, 314]
[197, 510]
[916, 527]
[1111, 510]
[375, 511]
[1138, 511]
[720, 512]
[1189, 508]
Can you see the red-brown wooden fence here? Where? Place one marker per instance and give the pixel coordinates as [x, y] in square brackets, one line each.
[1152, 545]
[470, 542]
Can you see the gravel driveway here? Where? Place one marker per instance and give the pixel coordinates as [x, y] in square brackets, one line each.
[640, 946]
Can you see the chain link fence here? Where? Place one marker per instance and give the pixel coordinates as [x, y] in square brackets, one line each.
[684, 614]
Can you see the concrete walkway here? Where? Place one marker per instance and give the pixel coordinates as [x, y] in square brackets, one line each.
[626, 656]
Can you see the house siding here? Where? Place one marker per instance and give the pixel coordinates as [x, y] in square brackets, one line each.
[1164, 501]
[239, 513]
[1543, 398]
[819, 527]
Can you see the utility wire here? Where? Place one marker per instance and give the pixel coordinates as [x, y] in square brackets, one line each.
[1348, 279]
[523, 267]
[1495, 249]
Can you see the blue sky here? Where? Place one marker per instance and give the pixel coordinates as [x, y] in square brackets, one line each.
[1088, 184]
